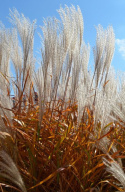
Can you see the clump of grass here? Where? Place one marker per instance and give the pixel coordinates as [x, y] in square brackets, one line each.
[64, 128]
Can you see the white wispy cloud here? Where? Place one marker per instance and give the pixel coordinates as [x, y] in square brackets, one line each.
[121, 46]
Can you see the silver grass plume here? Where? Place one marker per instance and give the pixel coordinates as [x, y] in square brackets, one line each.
[111, 86]
[103, 52]
[5, 37]
[5, 50]
[60, 52]
[24, 68]
[118, 106]
[115, 169]
[17, 60]
[72, 40]
[9, 171]
[84, 79]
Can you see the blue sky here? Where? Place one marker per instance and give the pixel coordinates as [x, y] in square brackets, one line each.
[104, 12]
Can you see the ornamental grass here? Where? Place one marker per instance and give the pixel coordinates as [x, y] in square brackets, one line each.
[61, 126]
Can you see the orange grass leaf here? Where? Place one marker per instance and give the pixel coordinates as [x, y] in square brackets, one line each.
[47, 178]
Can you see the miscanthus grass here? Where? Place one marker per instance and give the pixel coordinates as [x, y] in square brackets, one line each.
[62, 126]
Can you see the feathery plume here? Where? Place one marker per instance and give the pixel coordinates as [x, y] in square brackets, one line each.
[9, 171]
[115, 169]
